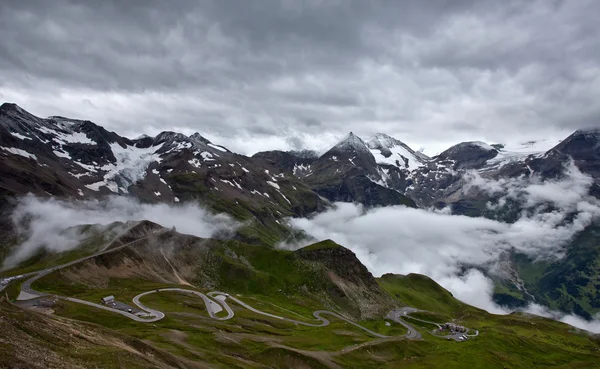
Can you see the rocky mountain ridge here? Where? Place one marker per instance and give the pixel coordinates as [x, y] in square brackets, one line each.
[80, 160]
[68, 157]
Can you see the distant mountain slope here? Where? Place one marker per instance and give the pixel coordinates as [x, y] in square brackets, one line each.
[347, 172]
[388, 150]
[78, 159]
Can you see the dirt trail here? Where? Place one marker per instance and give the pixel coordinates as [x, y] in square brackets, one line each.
[181, 280]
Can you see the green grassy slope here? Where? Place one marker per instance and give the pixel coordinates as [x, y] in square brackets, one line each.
[505, 341]
[33, 340]
[571, 284]
[422, 292]
[249, 340]
[294, 284]
[93, 239]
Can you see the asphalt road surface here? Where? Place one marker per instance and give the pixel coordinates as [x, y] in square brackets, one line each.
[396, 316]
[29, 293]
[316, 314]
[215, 302]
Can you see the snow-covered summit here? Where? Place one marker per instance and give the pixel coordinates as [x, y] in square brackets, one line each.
[517, 152]
[351, 144]
[389, 150]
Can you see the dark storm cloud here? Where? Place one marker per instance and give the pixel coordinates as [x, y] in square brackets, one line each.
[255, 75]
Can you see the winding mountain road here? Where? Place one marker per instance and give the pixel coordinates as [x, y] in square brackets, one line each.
[396, 316]
[215, 301]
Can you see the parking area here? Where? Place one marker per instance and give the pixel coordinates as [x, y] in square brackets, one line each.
[111, 302]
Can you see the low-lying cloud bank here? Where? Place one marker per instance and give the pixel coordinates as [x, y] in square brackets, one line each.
[404, 240]
[43, 221]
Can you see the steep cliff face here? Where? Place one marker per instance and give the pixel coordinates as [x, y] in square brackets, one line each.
[583, 147]
[351, 278]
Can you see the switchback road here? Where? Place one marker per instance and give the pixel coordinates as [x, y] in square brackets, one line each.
[215, 302]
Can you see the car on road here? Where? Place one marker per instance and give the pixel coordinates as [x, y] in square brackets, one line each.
[129, 310]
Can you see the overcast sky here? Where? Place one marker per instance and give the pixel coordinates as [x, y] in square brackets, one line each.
[256, 75]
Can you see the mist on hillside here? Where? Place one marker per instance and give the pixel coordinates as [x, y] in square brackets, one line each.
[44, 223]
[436, 243]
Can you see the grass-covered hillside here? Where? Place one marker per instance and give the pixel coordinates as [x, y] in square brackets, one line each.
[323, 276]
[570, 284]
[34, 340]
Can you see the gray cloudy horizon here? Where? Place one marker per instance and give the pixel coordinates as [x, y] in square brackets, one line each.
[301, 74]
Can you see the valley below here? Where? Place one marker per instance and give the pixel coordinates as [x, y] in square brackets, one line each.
[281, 309]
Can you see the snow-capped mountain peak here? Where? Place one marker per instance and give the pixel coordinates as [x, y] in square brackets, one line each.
[352, 143]
[350, 146]
[383, 140]
[389, 150]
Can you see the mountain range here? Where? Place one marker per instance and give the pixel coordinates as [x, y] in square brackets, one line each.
[76, 159]
[78, 162]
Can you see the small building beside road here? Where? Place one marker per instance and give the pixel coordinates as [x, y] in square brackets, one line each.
[455, 327]
[108, 299]
[47, 302]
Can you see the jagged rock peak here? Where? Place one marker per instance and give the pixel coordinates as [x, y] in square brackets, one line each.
[390, 150]
[589, 132]
[583, 144]
[352, 143]
[169, 138]
[17, 119]
[15, 110]
[199, 138]
[10, 106]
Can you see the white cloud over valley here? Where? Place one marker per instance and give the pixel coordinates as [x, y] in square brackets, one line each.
[404, 240]
[42, 222]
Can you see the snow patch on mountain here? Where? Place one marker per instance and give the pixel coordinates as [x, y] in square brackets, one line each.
[19, 152]
[273, 184]
[130, 166]
[517, 152]
[207, 156]
[217, 147]
[388, 150]
[74, 137]
[20, 136]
